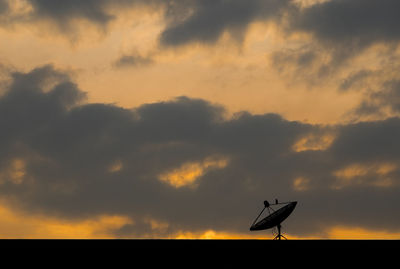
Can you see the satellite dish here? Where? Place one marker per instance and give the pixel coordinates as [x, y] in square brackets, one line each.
[275, 218]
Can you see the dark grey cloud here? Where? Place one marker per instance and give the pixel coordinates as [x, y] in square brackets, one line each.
[134, 60]
[68, 146]
[380, 136]
[340, 30]
[354, 79]
[64, 11]
[3, 6]
[302, 57]
[384, 101]
[65, 14]
[296, 61]
[97, 11]
[344, 27]
[351, 23]
[209, 19]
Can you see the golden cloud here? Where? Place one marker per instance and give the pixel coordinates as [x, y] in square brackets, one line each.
[188, 173]
[314, 142]
[301, 184]
[15, 172]
[356, 173]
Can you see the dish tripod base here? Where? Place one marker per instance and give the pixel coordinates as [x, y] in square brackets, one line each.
[279, 236]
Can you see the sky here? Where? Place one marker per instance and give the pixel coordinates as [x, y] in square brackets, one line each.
[178, 118]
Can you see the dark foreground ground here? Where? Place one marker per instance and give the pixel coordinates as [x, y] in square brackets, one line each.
[202, 244]
[207, 254]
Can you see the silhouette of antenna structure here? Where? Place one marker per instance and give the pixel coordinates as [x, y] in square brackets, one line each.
[275, 218]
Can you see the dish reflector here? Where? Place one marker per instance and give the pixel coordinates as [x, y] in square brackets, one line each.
[274, 219]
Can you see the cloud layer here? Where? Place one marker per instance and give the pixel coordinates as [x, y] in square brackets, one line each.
[184, 164]
[75, 160]
[349, 23]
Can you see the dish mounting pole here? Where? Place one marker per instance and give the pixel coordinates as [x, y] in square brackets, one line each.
[279, 236]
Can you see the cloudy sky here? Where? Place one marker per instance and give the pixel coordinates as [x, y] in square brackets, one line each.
[178, 118]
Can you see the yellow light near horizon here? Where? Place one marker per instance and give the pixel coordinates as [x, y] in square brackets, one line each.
[342, 232]
[212, 234]
[338, 232]
[15, 224]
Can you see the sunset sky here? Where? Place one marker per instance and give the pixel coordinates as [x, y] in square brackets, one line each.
[178, 118]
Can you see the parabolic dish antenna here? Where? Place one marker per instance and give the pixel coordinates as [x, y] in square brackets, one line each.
[275, 218]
